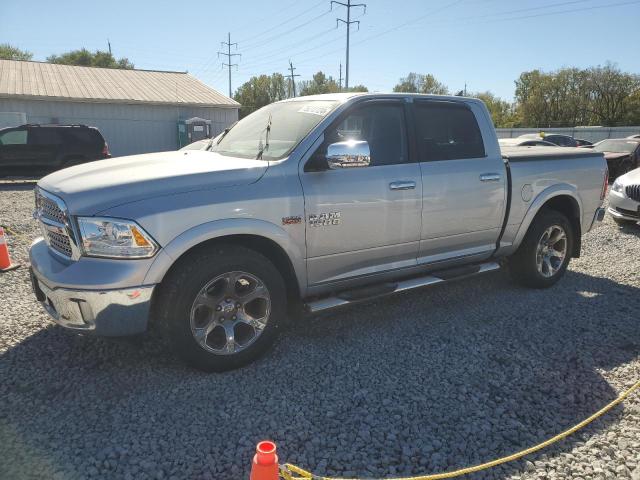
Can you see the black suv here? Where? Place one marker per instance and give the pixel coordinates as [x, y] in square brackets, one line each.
[31, 150]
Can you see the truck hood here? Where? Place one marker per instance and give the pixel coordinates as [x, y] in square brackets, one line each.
[93, 187]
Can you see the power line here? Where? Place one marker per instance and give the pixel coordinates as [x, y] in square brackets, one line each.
[277, 56]
[471, 20]
[422, 17]
[229, 56]
[572, 10]
[292, 78]
[348, 23]
[280, 35]
[284, 22]
[251, 45]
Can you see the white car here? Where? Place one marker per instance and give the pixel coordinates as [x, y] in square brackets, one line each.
[624, 198]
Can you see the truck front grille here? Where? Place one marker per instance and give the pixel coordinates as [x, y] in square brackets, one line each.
[60, 243]
[49, 209]
[52, 215]
[633, 192]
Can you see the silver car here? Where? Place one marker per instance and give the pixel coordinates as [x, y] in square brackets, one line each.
[624, 198]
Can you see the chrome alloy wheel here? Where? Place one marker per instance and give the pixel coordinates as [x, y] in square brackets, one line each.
[230, 312]
[551, 251]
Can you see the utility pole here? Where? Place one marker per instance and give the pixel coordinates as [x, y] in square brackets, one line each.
[348, 23]
[229, 56]
[340, 78]
[109, 43]
[292, 78]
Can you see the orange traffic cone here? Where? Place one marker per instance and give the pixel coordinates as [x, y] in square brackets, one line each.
[265, 462]
[5, 261]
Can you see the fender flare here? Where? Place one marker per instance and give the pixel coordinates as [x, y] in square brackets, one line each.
[184, 242]
[562, 189]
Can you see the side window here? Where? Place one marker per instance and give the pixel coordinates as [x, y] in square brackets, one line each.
[447, 131]
[44, 136]
[14, 137]
[381, 125]
[84, 137]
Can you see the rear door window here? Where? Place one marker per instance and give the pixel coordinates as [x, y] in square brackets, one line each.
[84, 137]
[14, 137]
[45, 136]
[447, 131]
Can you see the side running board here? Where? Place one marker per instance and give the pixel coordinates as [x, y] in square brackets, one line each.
[371, 292]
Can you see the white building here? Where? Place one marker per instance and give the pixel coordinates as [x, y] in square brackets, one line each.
[137, 111]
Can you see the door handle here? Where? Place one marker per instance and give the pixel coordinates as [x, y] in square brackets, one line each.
[490, 177]
[402, 185]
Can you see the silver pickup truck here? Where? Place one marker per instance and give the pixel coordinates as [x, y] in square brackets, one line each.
[307, 204]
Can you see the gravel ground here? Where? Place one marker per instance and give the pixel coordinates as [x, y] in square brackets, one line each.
[417, 383]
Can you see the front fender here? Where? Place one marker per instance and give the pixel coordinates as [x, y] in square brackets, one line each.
[222, 228]
[542, 198]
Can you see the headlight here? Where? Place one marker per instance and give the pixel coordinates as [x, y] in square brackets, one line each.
[617, 186]
[114, 237]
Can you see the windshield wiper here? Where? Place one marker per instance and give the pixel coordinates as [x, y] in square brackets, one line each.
[224, 134]
[261, 147]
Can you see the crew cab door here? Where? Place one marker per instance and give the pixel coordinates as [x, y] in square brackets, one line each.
[363, 220]
[463, 187]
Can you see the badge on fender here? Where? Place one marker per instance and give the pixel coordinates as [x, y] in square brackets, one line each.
[325, 219]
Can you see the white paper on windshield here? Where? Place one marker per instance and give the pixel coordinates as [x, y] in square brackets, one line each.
[321, 110]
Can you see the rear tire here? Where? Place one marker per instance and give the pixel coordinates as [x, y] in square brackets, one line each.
[544, 255]
[222, 307]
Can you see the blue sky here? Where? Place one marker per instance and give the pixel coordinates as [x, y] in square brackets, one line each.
[485, 43]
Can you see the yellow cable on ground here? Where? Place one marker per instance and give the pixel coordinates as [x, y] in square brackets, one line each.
[12, 232]
[287, 470]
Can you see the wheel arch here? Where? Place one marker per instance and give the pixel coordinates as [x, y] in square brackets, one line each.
[563, 199]
[265, 238]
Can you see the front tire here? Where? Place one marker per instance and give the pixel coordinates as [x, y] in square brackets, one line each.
[544, 255]
[222, 307]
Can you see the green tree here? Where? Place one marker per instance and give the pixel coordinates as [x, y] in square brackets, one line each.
[633, 110]
[84, 57]
[419, 83]
[260, 91]
[570, 97]
[502, 112]
[611, 92]
[356, 88]
[9, 52]
[320, 83]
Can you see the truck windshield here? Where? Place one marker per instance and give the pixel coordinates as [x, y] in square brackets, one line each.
[272, 132]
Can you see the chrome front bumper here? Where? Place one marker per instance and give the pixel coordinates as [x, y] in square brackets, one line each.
[97, 309]
[621, 206]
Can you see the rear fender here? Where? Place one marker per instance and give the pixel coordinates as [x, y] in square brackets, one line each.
[562, 189]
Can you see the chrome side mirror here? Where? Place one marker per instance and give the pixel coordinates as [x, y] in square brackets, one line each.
[349, 154]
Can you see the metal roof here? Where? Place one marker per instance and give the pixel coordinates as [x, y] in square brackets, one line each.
[49, 81]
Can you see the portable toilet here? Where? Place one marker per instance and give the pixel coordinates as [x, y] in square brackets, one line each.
[192, 130]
